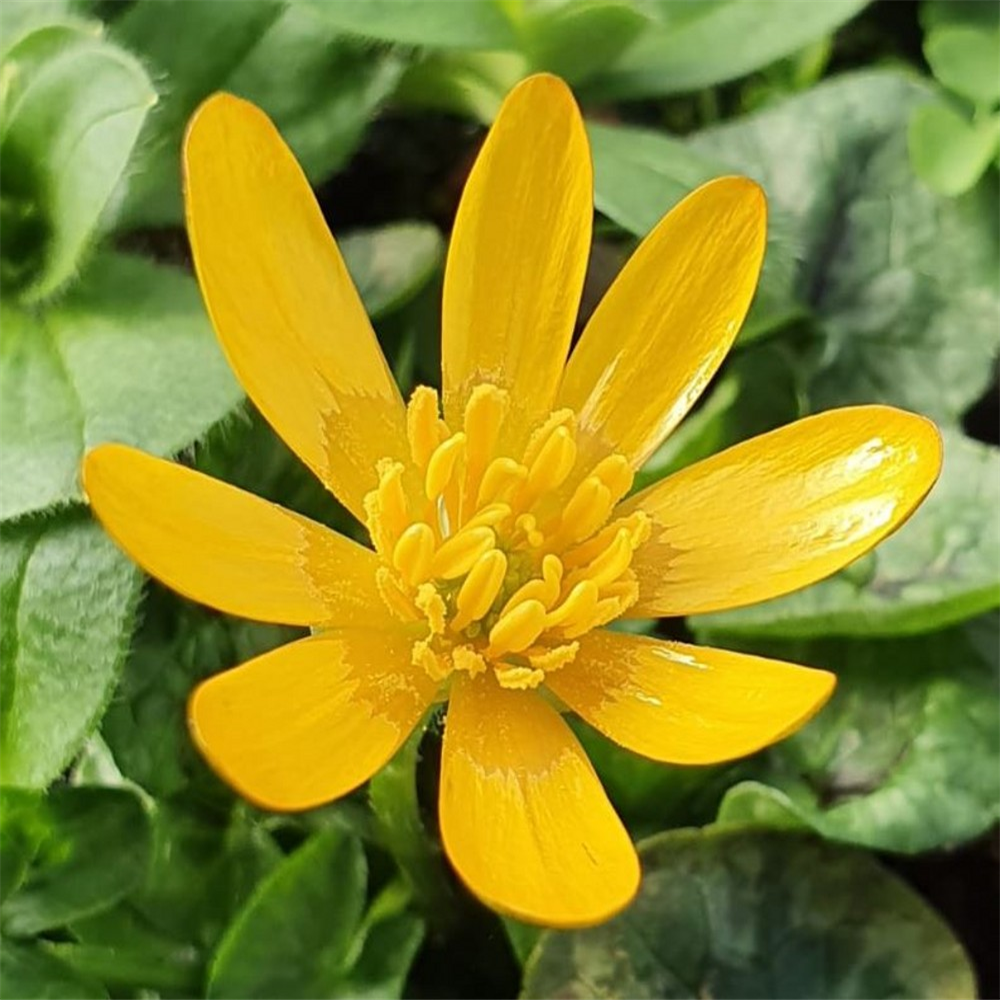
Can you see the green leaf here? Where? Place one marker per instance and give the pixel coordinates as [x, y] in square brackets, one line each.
[579, 38]
[902, 282]
[127, 355]
[640, 175]
[966, 59]
[905, 757]
[942, 567]
[21, 17]
[738, 913]
[22, 830]
[320, 89]
[390, 264]
[949, 152]
[294, 935]
[68, 599]
[323, 107]
[435, 23]
[95, 850]
[699, 44]
[73, 105]
[30, 972]
[380, 971]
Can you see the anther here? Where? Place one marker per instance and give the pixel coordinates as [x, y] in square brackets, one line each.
[500, 479]
[540, 436]
[519, 678]
[422, 655]
[479, 589]
[555, 658]
[489, 516]
[459, 553]
[587, 510]
[517, 629]
[616, 473]
[422, 426]
[413, 553]
[554, 462]
[545, 590]
[441, 466]
[612, 562]
[431, 603]
[579, 604]
[466, 659]
[484, 415]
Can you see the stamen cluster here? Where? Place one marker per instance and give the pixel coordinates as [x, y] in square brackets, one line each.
[504, 562]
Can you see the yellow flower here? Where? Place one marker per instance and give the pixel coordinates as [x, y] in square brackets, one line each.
[504, 538]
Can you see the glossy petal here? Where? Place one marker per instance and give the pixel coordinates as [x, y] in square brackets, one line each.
[310, 721]
[226, 548]
[523, 816]
[518, 254]
[687, 704]
[781, 510]
[669, 319]
[286, 312]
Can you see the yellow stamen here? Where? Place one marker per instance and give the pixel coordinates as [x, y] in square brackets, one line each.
[490, 516]
[413, 553]
[423, 428]
[519, 678]
[479, 589]
[527, 525]
[517, 629]
[441, 466]
[465, 658]
[547, 660]
[434, 663]
[612, 562]
[461, 552]
[431, 603]
[502, 477]
[587, 510]
[541, 435]
[579, 603]
[386, 509]
[616, 473]
[554, 462]
[545, 590]
[484, 415]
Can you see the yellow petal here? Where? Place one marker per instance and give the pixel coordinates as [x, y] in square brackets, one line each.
[311, 721]
[226, 548]
[669, 319]
[687, 704]
[523, 816]
[518, 255]
[283, 305]
[781, 510]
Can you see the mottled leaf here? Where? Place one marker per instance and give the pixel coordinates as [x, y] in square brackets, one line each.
[749, 913]
[905, 757]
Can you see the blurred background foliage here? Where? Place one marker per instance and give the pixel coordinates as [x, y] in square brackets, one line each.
[859, 857]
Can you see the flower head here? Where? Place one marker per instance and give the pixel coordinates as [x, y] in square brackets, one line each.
[503, 535]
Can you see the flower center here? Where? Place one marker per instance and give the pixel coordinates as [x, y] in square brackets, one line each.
[505, 560]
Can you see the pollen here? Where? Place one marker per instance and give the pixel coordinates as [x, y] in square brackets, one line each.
[501, 560]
